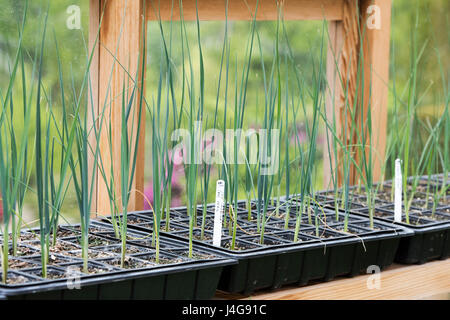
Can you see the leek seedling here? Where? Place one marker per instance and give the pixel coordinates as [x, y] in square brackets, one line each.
[128, 151]
[279, 98]
[411, 105]
[195, 118]
[446, 124]
[162, 165]
[131, 112]
[286, 153]
[167, 165]
[296, 162]
[83, 179]
[23, 174]
[306, 191]
[11, 166]
[248, 178]
[7, 191]
[305, 159]
[422, 162]
[225, 167]
[268, 145]
[287, 135]
[239, 111]
[49, 195]
[355, 139]
[12, 163]
[78, 138]
[204, 188]
[156, 174]
[58, 190]
[364, 140]
[130, 127]
[207, 167]
[19, 173]
[42, 177]
[238, 119]
[265, 179]
[332, 148]
[176, 117]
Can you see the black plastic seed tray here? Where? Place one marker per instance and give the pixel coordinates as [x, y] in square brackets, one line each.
[175, 277]
[431, 226]
[431, 238]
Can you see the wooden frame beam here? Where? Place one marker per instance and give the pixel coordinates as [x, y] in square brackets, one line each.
[244, 10]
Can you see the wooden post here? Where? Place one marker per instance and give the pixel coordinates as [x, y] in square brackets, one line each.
[358, 75]
[119, 53]
[342, 69]
[376, 44]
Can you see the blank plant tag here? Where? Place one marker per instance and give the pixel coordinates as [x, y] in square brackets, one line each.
[218, 214]
[398, 192]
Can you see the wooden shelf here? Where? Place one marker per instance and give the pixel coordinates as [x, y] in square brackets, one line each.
[427, 281]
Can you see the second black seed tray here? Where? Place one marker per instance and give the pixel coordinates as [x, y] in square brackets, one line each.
[431, 228]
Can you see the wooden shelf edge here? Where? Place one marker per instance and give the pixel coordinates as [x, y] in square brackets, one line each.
[397, 282]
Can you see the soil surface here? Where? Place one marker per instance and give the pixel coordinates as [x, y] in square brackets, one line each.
[19, 264]
[163, 260]
[239, 246]
[322, 234]
[15, 279]
[129, 263]
[92, 254]
[197, 255]
[23, 251]
[51, 274]
[129, 249]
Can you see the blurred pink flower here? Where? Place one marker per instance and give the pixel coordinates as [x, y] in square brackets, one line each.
[302, 136]
[148, 192]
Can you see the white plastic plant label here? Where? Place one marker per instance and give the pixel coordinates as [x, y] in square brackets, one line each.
[218, 214]
[398, 192]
